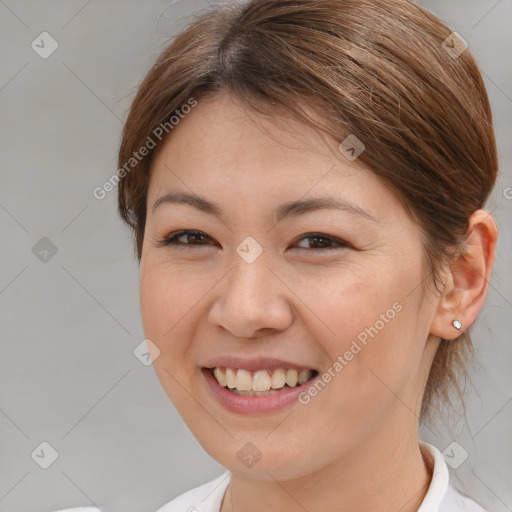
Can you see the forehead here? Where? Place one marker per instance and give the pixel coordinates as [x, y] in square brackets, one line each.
[229, 153]
[221, 129]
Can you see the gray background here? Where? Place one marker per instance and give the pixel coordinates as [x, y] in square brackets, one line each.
[69, 325]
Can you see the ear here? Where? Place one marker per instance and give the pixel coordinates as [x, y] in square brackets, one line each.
[468, 278]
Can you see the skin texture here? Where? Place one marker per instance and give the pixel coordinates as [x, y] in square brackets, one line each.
[354, 446]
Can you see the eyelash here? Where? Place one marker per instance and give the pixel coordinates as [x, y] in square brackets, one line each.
[171, 240]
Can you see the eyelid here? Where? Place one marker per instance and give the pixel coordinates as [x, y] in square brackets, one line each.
[167, 240]
[311, 234]
[170, 240]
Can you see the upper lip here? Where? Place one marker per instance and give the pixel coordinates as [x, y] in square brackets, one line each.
[254, 363]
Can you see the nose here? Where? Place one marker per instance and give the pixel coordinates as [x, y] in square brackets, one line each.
[252, 301]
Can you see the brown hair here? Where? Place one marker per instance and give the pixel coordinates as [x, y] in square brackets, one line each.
[377, 69]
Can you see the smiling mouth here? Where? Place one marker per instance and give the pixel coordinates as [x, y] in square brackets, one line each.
[260, 382]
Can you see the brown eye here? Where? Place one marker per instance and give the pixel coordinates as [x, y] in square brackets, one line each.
[190, 236]
[184, 238]
[323, 242]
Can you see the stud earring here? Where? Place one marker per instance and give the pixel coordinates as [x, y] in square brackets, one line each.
[457, 325]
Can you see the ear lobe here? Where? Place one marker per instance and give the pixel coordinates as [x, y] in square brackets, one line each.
[468, 278]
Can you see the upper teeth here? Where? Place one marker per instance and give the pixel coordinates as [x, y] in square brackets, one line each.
[261, 380]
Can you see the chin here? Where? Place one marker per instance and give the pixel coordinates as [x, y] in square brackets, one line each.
[262, 461]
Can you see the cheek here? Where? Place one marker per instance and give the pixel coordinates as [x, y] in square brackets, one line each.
[345, 302]
[166, 303]
[162, 303]
[366, 323]
[171, 302]
[166, 294]
[155, 292]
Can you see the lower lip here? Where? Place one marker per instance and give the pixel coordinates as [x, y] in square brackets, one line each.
[244, 404]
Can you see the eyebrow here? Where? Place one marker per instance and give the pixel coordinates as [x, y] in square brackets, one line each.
[290, 209]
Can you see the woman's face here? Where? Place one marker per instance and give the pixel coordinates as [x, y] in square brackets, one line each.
[267, 289]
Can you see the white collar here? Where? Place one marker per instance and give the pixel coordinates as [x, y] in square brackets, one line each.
[440, 478]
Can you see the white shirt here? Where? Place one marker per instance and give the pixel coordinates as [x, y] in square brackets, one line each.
[441, 496]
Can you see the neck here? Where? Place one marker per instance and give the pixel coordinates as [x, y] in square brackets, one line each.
[384, 474]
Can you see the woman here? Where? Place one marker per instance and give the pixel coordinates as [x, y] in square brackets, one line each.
[305, 181]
